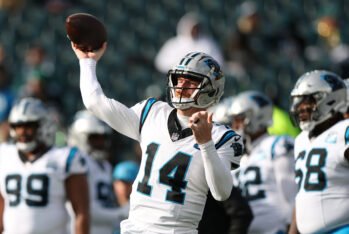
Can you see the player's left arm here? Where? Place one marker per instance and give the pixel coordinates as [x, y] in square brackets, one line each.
[216, 166]
[2, 204]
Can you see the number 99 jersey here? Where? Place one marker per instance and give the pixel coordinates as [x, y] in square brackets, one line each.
[322, 174]
[34, 192]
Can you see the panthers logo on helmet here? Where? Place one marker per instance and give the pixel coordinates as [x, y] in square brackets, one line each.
[333, 81]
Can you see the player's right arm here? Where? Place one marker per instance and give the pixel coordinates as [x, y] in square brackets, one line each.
[118, 116]
[2, 204]
[77, 193]
[77, 190]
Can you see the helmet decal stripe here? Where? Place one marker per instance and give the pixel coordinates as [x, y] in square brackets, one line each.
[195, 54]
[188, 61]
[181, 62]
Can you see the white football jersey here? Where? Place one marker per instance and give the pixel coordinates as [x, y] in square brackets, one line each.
[169, 193]
[34, 193]
[322, 174]
[170, 189]
[259, 178]
[104, 213]
[103, 209]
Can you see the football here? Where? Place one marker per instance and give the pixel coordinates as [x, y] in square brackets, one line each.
[86, 31]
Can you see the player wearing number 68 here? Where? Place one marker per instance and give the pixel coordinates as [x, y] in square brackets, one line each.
[184, 154]
[36, 178]
[321, 153]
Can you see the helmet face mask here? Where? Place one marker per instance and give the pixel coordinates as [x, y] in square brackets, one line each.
[30, 113]
[316, 97]
[205, 70]
[90, 135]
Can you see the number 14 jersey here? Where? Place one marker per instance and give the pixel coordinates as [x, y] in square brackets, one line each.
[171, 187]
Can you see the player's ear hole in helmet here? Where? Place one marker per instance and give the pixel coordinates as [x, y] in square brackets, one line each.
[206, 71]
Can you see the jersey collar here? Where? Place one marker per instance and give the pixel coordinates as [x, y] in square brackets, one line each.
[175, 129]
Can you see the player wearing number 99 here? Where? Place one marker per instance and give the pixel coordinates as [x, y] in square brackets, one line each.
[321, 153]
[184, 153]
[93, 137]
[266, 173]
[36, 178]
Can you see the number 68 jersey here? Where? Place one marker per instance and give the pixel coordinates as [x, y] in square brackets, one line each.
[34, 192]
[322, 174]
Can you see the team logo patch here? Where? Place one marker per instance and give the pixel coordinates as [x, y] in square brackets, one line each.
[238, 149]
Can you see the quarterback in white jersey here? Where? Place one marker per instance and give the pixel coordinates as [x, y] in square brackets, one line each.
[321, 153]
[36, 178]
[184, 153]
[266, 173]
[93, 137]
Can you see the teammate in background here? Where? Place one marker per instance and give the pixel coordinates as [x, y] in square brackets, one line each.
[184, 154]
[36, 178]
[266, 173]
[93, 137]
[220, 111]
[321, 154]
[124, 174]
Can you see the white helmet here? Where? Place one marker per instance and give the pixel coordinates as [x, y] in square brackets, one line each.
[32, 110]
[256, 108]
[326, 88]
[84, 125]
[221, 111]
[201, 67]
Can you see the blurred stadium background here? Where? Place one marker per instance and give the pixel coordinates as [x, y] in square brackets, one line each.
[292, 37]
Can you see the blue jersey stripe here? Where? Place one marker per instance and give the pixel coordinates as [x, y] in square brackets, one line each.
[71, 156]
[226, 137]
[273, 146]
[145, 112]
[347, 136]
